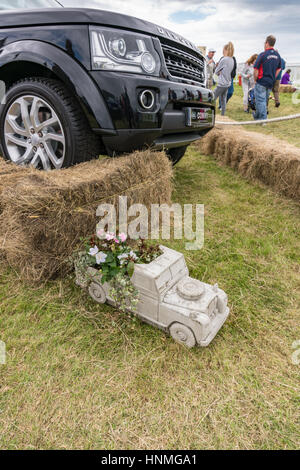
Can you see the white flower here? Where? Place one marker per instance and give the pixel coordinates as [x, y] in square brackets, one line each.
[93, 251]
[133, 255]
[123, 258]
[100, 257]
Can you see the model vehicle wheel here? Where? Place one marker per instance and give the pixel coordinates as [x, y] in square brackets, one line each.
[176, 154]
[182, 334]
[42, 125]
[97, 293]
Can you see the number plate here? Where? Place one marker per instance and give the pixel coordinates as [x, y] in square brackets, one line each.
[196, 117]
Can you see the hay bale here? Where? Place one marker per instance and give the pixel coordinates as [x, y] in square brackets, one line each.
[287, 89]
[9, 175]
[256, 156]
[46, 213]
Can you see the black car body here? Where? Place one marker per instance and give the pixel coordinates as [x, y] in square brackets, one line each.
[128, 102]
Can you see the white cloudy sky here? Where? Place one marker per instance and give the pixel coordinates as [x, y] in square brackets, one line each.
[214, 22]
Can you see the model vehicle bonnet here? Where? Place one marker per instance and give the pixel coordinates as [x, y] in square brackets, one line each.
[193, 295]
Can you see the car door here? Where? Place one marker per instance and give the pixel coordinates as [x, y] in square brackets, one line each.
[147, 306]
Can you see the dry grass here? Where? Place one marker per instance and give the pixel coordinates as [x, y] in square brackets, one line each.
[256, 156]
[45, 214]
[10, 174]
[80, 375]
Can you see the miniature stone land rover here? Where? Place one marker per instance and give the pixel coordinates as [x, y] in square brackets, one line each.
[191, 311]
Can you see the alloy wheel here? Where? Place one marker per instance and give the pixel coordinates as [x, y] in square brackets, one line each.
[34, 134]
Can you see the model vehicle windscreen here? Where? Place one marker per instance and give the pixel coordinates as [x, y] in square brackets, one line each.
[171, 275]
[28, 4]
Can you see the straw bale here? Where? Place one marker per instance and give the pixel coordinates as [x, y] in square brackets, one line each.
[256, 156]
[45, 214]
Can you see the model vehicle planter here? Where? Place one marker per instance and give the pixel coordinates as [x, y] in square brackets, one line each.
[191, 311]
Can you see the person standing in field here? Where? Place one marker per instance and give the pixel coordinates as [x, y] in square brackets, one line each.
[224, 70]
[248, 79]
[286, 79]
[233, 75]
[231, 88]
[266, 69]
[210, 67]
[277, 84]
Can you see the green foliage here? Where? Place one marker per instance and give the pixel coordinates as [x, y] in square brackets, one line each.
[114, 256]
[123, 292]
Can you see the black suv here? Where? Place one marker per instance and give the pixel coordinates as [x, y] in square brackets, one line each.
[83, 82]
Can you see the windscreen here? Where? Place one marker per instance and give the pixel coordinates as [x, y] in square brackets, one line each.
[28, 4]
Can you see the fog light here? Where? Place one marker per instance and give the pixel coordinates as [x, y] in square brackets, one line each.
[147, 99]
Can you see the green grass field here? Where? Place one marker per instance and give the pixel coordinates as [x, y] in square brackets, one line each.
[286, 130]
[82, 376]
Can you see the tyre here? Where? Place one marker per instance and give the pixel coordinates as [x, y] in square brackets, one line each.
[176, 154]
[97, 293]
[182, 334]
[42, 125]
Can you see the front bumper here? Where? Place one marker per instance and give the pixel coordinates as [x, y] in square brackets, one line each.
[216, 325]
[164, 126]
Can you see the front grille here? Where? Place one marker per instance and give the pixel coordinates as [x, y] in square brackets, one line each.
[212, 308]
[184, 65]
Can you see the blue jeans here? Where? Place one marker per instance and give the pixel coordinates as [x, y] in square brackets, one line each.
[221, 93]
[261, 94]
[230, 91]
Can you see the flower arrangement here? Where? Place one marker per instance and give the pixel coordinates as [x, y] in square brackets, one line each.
[114, 256]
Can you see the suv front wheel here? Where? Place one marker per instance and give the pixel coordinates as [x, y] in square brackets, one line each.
[42, 125]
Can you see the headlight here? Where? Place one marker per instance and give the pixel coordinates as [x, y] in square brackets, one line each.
[117, 47]
[148, 62]
[123, 51]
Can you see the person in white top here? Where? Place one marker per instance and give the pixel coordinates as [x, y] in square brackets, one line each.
[248, 79]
